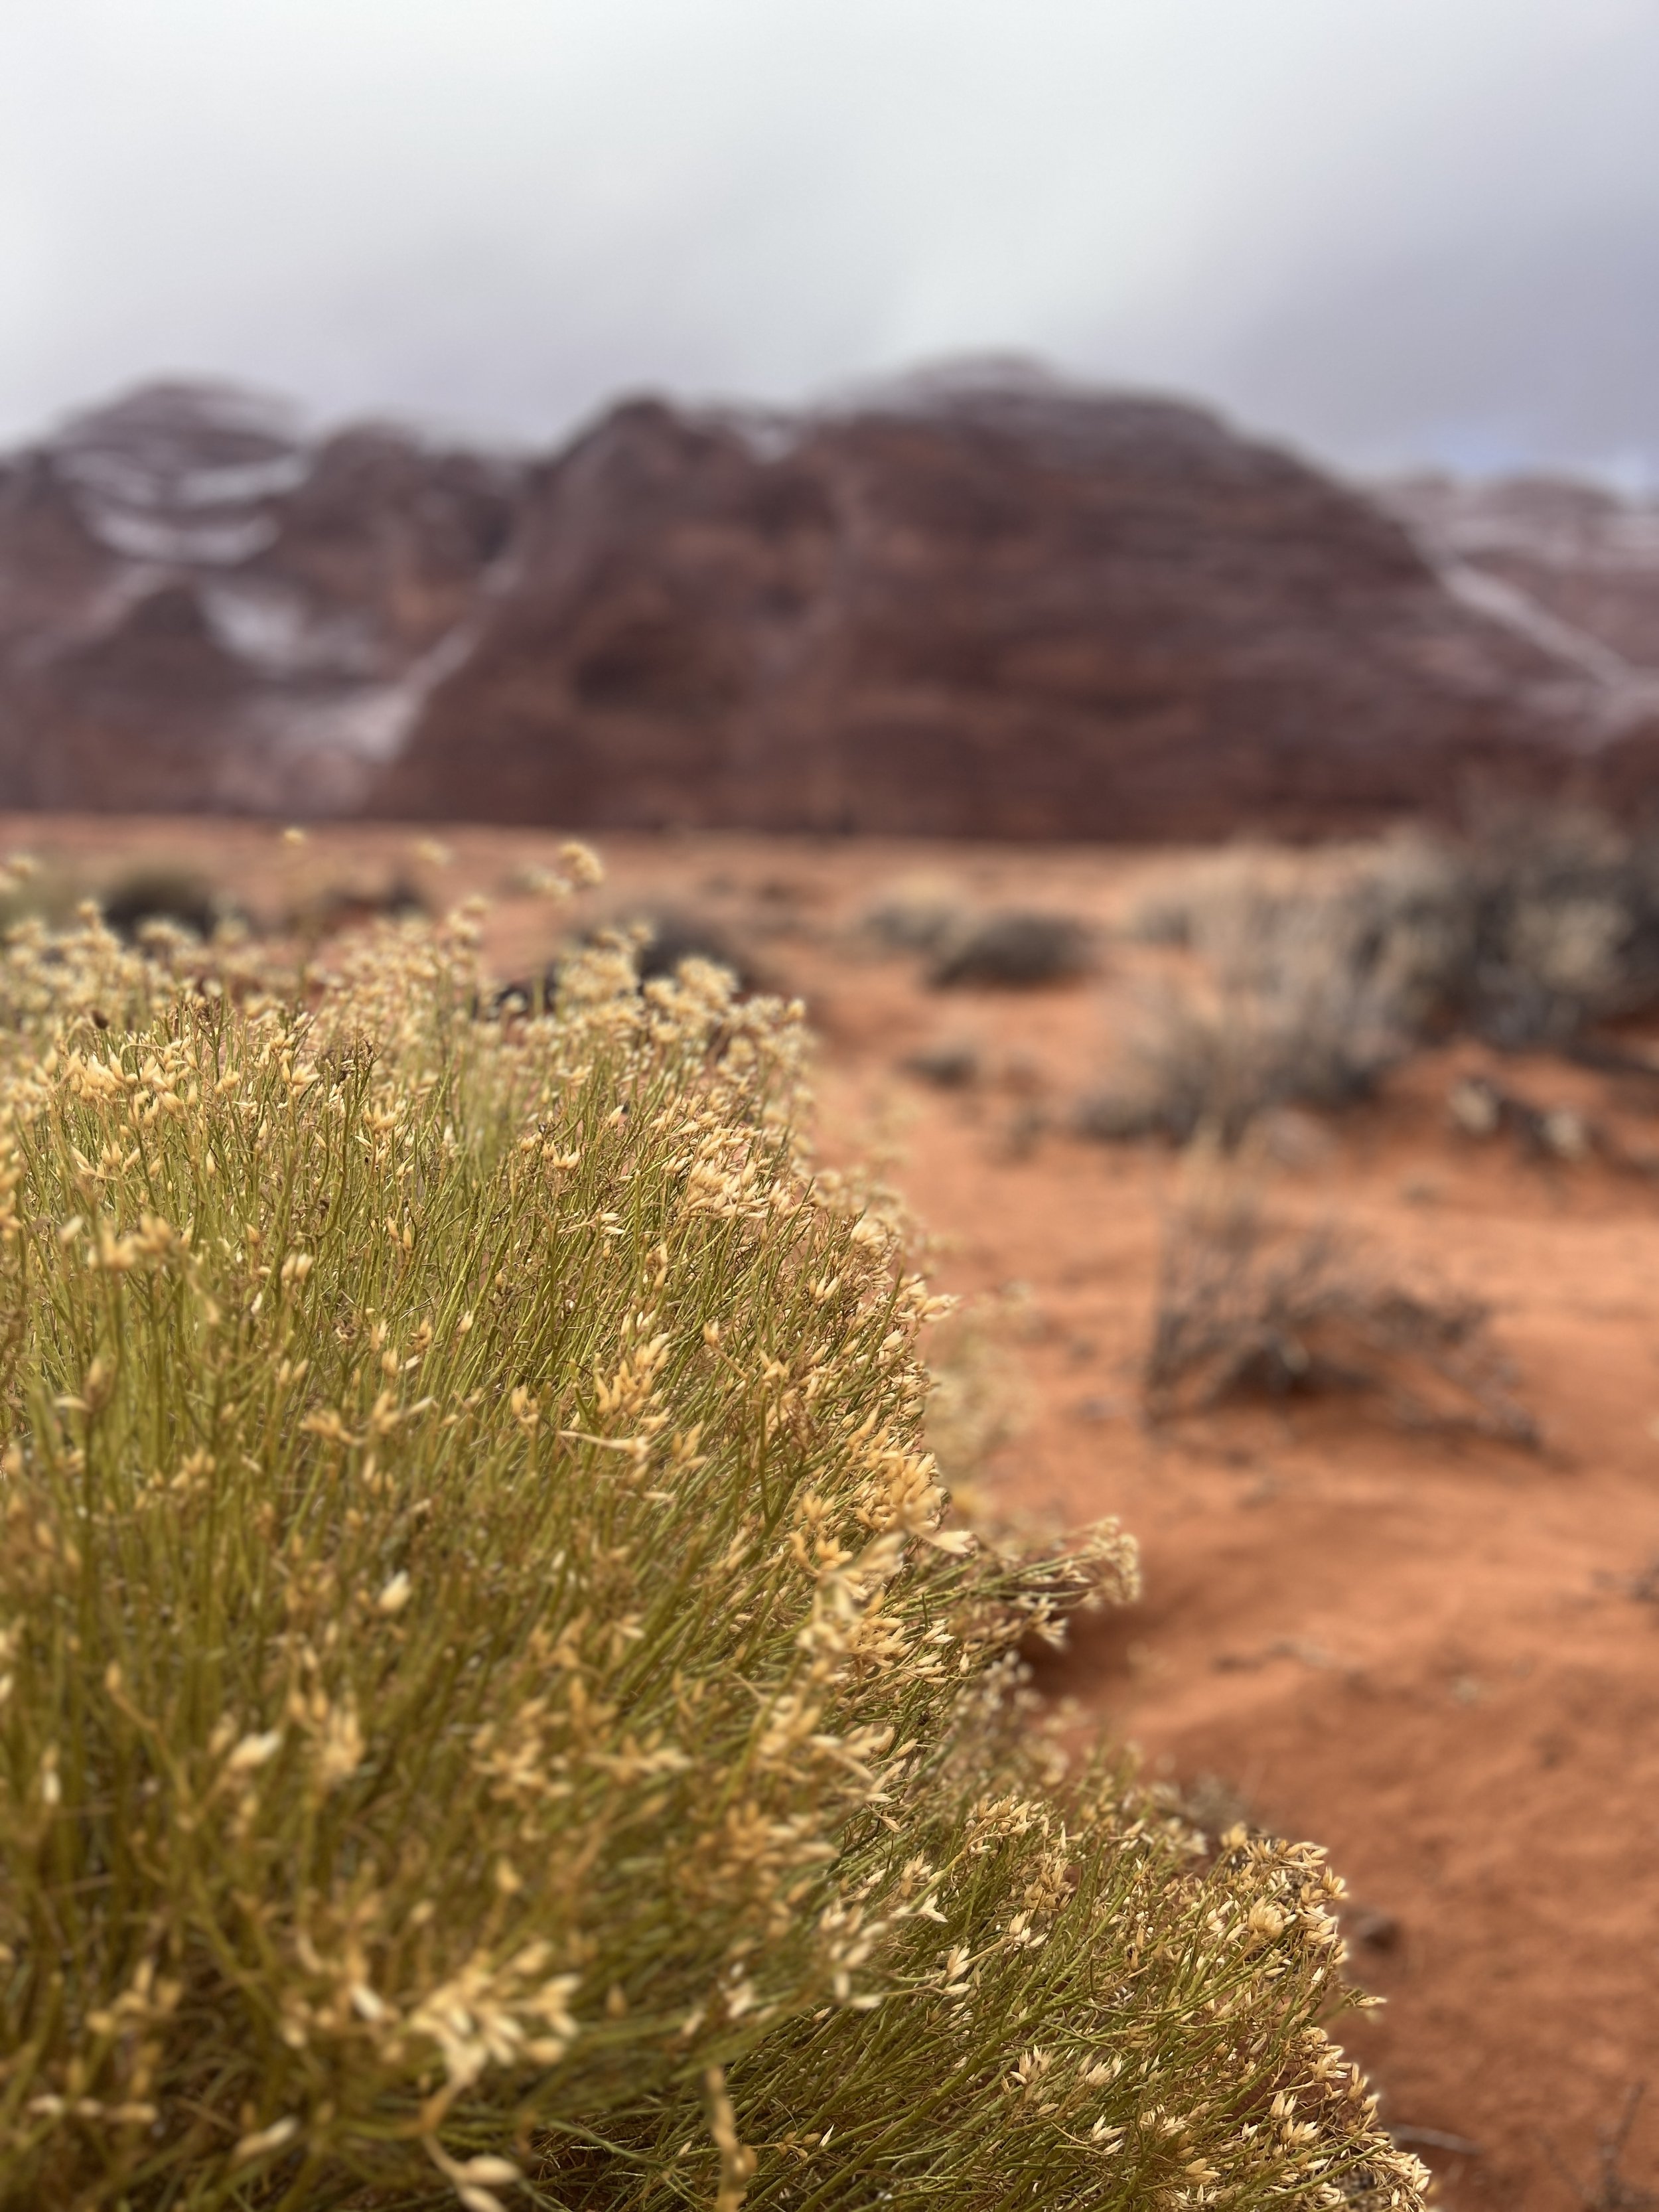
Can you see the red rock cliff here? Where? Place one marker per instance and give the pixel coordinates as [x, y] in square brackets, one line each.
[996, 607]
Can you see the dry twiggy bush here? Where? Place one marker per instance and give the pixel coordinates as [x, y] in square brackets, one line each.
[162, 891]
[1013, 951]
[489, 1712]
[1007, 948]
[1307, 992]
[921, 915]
[1529, 931]
[1246, 1307]
[670, 934]
[1612, 2190]
[1280, 1016]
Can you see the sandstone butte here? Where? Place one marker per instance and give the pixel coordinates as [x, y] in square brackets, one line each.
[979, 603]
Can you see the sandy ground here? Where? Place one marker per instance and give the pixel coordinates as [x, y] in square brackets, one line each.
[1430, 1650]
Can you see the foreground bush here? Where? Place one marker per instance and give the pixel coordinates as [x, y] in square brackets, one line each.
[490, 1712]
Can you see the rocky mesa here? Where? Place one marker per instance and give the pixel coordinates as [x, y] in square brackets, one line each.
[979, 603]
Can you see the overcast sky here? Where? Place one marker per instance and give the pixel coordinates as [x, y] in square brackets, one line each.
[1394, 230]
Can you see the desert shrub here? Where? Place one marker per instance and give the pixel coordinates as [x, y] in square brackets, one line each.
[665, 936]
[1182, 908]
[915, 917]
[490, 1711]
[1279, 1017]
[953, 1064]
[1007, 949]
[164, 893]
[1246, 1307]
[330, 908]
[1163, 918]
[1525, 934]
[1611, 2190]
[656, 945]
[1479, 1108]
[672, 935]
[1013, 951]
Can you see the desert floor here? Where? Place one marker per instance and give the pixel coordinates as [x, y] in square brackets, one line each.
[1435, 1652]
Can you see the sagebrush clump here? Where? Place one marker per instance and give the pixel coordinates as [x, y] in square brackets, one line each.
[1248, 1306]
[1282, 1016]
[491, 1712]
[1310, 984]
[1012, 950]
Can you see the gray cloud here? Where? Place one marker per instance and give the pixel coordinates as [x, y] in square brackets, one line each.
[1395, 229]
